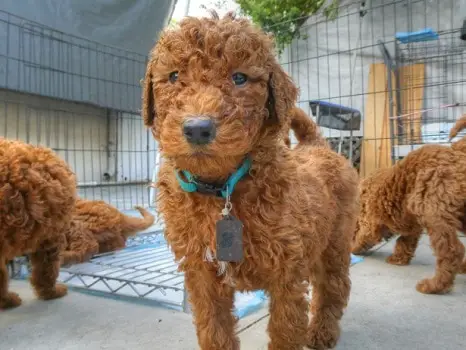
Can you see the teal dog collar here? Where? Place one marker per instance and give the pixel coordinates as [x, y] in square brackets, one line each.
[194, 185]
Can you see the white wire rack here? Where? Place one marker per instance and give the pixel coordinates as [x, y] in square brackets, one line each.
[146, 271]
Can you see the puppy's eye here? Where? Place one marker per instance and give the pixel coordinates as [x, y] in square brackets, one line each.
[173, 76]
[239, 79]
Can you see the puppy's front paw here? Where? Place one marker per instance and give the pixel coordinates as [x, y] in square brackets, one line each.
[323, 335]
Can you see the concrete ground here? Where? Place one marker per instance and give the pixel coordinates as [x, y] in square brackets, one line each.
[385, 312]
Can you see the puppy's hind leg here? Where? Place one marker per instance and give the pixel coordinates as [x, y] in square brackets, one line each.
[463, 267]
[45, 269]
[436, 203]
[449, 252]
[7, 299]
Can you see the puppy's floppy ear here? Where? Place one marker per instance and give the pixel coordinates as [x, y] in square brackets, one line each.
[148, 103]
[282, 95]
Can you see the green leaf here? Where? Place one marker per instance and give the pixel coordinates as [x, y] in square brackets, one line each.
[284, 18]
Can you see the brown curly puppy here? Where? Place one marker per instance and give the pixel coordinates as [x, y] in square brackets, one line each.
[98, 227]
[425, 190]
[216, 98]
[37, 195]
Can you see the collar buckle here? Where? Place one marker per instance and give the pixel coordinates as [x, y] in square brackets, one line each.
[209, 189]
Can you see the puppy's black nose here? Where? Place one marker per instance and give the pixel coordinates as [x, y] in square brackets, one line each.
[199, 130]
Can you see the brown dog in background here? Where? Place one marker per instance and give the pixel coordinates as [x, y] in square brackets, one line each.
[97, 227]
[425, 190]
[216, 97]
[37, 195]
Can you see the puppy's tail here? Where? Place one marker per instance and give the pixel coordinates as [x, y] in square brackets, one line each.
[305, 130]
[131, 225]
[457, 128]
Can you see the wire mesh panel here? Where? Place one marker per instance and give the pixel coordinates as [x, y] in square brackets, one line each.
[146, 272]
[431, 75]
[41, 60]
[355, 61]
[81, 99]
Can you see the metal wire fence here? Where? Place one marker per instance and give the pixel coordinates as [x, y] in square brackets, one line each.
[442, 87]
[81, 99]
[399, 63]
[44, 61]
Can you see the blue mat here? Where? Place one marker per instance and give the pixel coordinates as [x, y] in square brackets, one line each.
[356, 259]
[248, 303]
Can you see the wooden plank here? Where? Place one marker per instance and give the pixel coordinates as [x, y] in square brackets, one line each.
[412, 96]
[385, 154]
[373, 118]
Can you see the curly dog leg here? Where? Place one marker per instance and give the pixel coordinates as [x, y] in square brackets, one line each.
[7, 299]
[212, 305]
[110, 242]
[289, 315]
[463, 267]
[45, 269]
[404, 250]
[449, 252]
[331, 287]
[79, 252]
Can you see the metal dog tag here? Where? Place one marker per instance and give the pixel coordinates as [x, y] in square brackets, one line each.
[229, 239]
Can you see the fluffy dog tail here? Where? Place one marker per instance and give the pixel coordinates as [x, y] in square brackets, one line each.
[131, 225]
[305, 130]
[457, 128]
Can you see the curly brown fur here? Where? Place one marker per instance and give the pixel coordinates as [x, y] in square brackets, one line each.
[298, 206]
[37, 195]
[425, 190]
[99, 227]
[81, 245]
